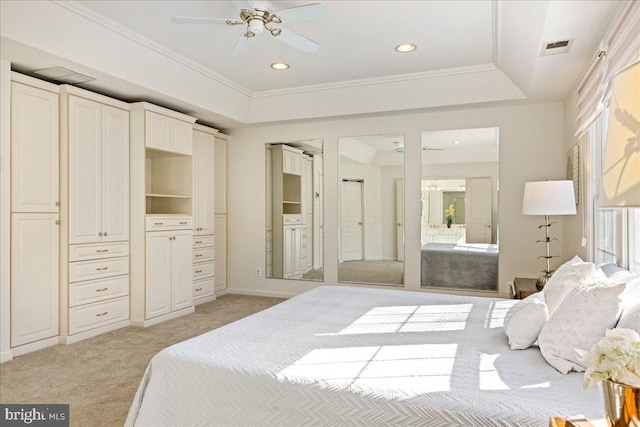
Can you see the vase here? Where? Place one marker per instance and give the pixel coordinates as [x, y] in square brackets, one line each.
[621, 404]
[449, 222]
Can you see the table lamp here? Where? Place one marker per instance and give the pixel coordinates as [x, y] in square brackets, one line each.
[548, 198]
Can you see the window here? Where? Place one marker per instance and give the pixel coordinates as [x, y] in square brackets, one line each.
[615, 232]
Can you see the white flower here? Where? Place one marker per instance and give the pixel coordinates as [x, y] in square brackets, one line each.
[615, 357]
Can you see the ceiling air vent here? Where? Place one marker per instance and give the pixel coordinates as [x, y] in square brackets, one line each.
[556, 47]
[63, 75]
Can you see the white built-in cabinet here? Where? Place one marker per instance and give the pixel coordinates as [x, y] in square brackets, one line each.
[204, 219]
[94, 150]
[162, 214]
[220, 279]
[34, 214]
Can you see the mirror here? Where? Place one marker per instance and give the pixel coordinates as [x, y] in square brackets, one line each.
[459, 222]
[294, 202]
[371, 209]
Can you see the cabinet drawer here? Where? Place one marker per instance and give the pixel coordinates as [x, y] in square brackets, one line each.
[203, 270]
[203, 288]
[98, 290]
[155, 223]
[202, 241]
[303, 251]
[87, 270]
[204, 254]
[98, 250]
[92, 316]
[291, 219]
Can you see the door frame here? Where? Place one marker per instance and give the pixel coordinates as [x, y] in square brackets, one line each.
[361, 180]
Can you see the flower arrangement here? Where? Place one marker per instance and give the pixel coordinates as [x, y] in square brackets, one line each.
[615, 357]
[450, 212]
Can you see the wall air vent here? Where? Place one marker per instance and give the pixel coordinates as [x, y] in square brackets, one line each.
[556, 47]
[63, 75]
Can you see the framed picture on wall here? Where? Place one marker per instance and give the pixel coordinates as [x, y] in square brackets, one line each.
[573, 170]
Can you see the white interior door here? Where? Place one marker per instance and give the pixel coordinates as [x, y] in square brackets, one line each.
[400, 219]
[478, 206]
[351, 223]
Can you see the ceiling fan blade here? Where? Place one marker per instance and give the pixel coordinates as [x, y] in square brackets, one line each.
[243, 4]
[242, 45]
[189, 20]
[298, 41]
[303, 13]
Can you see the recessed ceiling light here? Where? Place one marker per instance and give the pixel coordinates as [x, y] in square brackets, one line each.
[279, 66]
[456, 142]
[404, 48]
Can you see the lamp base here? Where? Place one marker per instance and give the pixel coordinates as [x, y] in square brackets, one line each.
[542, 280]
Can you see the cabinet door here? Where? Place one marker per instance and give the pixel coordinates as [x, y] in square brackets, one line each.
[158, 131]
[34, 149]
[181, 136]
[205, 161]
[115, 174]
[34, 277]
[195, 182]
[221, 176]
[297, 251]
[288, 251]
[220, 268]
[181, 269]
[158, 269]
[85, 171]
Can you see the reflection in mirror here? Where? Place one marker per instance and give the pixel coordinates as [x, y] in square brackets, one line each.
[371, 209]
[459, 223]
[294, 210]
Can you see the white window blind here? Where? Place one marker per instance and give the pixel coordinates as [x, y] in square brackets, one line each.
[622, 48]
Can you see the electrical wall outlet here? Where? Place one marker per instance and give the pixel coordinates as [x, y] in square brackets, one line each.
[258, 272]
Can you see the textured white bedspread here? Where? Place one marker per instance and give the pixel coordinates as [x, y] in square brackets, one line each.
[356, 356]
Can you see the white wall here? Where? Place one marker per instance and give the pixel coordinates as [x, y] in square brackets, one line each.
[531, 148]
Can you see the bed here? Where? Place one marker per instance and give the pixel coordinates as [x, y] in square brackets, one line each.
[463, 265]
[354, 356]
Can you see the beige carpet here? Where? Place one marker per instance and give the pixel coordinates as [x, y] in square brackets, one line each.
[388, 272]
[99, 376]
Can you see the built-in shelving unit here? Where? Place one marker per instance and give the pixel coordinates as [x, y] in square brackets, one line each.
[167, 182]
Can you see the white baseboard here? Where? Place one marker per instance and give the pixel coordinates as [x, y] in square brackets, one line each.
[6, 356]
[38, 345]
[223, 292]
[255, 293]
[94, 332]
[163, 318]
[202, 300]
[374, 258]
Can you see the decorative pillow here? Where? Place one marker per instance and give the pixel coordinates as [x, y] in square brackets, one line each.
[581, 320]
[565, 279]
[630, 317]
[524, 320]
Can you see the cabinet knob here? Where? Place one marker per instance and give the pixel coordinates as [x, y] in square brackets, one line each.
[183, 222]
[105, 234]
[57, 203]
[102, 250]
[198, 255]
[100, 234]
[158, 223]
[57, 222]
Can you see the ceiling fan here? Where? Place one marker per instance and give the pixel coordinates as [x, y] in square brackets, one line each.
[262, 17]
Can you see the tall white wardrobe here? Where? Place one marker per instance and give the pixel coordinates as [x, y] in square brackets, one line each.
[34, 219]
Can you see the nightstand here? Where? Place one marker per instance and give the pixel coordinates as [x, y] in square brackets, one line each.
[524, 287]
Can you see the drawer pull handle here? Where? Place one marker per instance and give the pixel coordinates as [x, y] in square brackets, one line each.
[198, 241]
[101, 268]
[198, 271]
[158, 223]
[102, 250]
[198, 290]
[101, 289]
[198, 255]
[183, 222]
[102, 314]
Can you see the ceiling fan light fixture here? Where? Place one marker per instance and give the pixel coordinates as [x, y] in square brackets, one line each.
[280, 66]
[456, 142]
[406, 48]
[256, 26]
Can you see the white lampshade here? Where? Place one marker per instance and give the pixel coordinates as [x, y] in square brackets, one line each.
[549, 198]
[621, 163]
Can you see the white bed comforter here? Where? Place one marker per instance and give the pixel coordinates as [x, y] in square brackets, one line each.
[355, 356]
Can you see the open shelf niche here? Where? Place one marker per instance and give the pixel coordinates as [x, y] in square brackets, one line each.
[168, 183]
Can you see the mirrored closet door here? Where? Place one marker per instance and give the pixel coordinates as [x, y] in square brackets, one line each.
[459, 222]
[294, 200]
[371, 209]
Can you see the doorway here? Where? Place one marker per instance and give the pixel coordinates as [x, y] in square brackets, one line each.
[351, 219]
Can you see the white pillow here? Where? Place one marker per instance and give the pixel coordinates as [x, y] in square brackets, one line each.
[630, 317]
[524, 320]
[580, 322]
[565, 279]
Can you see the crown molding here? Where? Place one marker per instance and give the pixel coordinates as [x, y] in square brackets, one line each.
[150, 44]
[378, 80]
